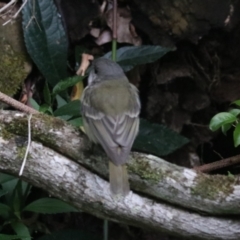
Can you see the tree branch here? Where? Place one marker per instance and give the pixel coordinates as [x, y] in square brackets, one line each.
[73, 183]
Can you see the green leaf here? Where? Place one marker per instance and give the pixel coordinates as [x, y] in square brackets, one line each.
[2, 193]
[47, 94]
[45, 39]
[72, 108]
[4, 209]
[69, 82]
[226, 127]
[8, 237]
[49, 205]
[235, 111]
[72, 234]
[157, 139]
[237, 102]
[236, 135]
[60, 101]
[34, 104]
[46, 109]
[21, 230]
[6, 178]
[77, 122]
[129, 57]
[220, 119]
[9, 187]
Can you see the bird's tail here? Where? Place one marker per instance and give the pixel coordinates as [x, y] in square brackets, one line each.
[118, 176]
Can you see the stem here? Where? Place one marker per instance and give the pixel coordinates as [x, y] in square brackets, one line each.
[114, 36]
[114, 50]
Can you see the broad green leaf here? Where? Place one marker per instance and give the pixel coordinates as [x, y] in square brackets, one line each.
[77, 122]
[21, 230]
[17, 199]
[69, 82]
[237, 102]
[6, 177]
[235, 111]
[157, 139]
[4, 209]
[220, 119]
[226, 127]
[8, 237]
[236, 135]
[45, 39]
[129, 57]
[72, 109]
[47, 94]
[2, 193]
[60, 101]
[49, 205]
[46, 109]
[72, 234]
[34, 104]
[9, 187]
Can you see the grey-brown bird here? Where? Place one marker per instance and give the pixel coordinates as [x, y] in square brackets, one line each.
[110, 111]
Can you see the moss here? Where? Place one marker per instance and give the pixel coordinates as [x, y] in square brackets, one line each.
[145, 171]
[5, 134]
[41, 133]
[210, 187]
[13, 69]
[21, 151]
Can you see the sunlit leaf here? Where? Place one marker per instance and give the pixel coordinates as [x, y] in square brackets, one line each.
[69, 82]
[236, 135]
[226, 127]
[237, 102]
[220, 119]
[235, 111]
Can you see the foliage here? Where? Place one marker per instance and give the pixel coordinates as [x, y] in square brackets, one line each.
[45, 39]
[47, 45]
[129, 57]
[227, 120]
[69, 234]
[14, 204]
[157, 139]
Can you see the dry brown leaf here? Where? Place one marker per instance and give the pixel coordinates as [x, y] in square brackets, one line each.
[125, 30]
[86, 58]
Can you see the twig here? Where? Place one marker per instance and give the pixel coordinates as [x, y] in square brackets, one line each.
[14, 103]
[28, 146]
[7, 5]
[16, 14]
[219, 164]
[33, 16]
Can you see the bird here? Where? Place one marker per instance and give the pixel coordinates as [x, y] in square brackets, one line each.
[110, 107]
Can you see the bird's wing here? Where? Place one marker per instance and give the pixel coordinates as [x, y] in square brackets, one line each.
[116, 134]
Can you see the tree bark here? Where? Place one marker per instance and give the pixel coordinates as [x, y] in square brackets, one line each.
[57, 161]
